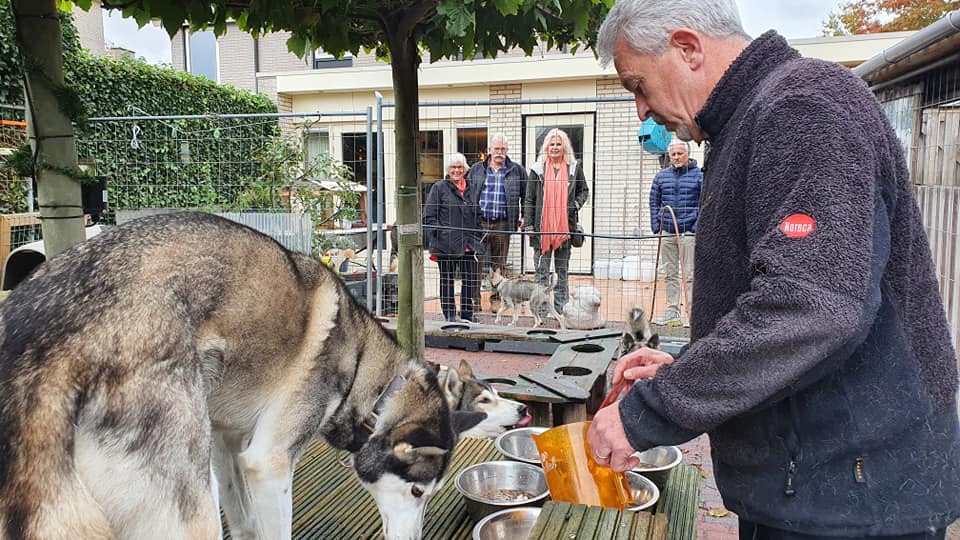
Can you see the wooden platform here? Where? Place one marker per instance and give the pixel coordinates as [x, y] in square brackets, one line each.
[329, 503]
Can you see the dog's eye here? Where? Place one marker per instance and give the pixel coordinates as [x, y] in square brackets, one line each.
[416, 491]
[486, 400]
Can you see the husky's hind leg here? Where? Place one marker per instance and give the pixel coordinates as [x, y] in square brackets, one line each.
[146, 461]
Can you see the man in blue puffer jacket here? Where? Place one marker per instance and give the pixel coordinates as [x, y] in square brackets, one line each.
[677, 186]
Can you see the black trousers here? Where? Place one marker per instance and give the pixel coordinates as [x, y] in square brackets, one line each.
[754, 531]
[463, 267]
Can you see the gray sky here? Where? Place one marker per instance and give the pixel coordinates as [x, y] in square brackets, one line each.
[792, 18]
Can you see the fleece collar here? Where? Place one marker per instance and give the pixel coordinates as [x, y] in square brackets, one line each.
[743, 78]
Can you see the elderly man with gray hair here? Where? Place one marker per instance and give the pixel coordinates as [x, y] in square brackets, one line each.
[674, 203]
[502, 184]
[820, 360]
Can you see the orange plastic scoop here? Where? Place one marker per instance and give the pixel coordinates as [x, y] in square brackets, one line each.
[572, 474]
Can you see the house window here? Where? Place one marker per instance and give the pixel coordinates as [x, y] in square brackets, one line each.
[322, 60]
[202, 56]
[472, 143]
[316, 142]
[355, 156]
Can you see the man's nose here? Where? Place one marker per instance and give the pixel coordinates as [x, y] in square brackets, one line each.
[643, 111]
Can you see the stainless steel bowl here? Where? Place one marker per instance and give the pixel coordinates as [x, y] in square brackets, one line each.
[661, 458]
[496, 485]
[517, 444]
[509, 524]
[644, 491]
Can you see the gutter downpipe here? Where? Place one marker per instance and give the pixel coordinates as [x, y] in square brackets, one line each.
[948, 25]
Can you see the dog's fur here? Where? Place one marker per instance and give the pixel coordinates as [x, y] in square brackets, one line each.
[468, 393]
[516, 291]
[583, 311]
[145, 368]
[638, 333]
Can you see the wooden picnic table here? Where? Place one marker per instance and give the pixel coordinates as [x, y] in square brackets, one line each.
[329, 503]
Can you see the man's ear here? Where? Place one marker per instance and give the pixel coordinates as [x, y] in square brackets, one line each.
[688, 46]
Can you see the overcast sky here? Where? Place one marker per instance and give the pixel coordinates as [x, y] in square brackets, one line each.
[792, 18]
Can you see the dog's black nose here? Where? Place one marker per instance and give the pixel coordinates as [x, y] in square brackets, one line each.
[523, 410]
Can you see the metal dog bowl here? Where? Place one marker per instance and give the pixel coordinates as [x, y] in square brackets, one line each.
[497, 485]
[517, 444]
[645, 492]
[661, 458]
[509, 524]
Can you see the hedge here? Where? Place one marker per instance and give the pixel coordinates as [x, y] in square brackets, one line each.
[185, 164]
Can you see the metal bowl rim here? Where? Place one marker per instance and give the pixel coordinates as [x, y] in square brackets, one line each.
[534, 429]
[532, 468]
[475, 533]
[653, 500]
[676, 461]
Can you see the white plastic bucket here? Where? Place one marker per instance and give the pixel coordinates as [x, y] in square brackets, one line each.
[616, 268]
[601, 269]
[648, 271]
[631, 268]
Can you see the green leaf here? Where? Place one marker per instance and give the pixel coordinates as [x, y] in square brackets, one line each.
[297, 45]
[458, 17]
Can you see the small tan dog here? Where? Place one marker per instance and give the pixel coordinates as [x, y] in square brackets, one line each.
[514, 292]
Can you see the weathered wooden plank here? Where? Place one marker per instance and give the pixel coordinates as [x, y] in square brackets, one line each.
[546, 516]
[607, 525]
[658, 528]
[591, 522]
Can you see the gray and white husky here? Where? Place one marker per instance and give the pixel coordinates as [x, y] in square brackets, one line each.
[182, 363]
[468, 393]
[517, 291]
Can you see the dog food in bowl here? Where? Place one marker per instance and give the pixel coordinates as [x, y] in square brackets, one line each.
[644, 491]
[496, 485]
[517, 444]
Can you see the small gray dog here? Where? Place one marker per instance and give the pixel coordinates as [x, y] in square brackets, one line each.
[514, 292]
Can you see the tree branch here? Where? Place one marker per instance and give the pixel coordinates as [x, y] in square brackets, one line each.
[414, 15]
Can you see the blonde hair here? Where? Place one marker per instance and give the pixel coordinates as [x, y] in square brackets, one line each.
[568, 156]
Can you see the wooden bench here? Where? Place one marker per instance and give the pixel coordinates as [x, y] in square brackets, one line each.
[569, 387]
[330, 503]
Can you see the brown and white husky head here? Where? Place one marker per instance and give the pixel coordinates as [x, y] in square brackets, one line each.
[638, 333]
[466, 393]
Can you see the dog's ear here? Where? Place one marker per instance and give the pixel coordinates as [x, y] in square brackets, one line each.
[464, 420]
[654, 341]
[452, 388]
[465, 370]
[408, 453]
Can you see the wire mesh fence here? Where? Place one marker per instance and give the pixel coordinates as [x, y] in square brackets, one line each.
[924, 110]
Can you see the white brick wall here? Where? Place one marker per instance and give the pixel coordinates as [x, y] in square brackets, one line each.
[235, 50]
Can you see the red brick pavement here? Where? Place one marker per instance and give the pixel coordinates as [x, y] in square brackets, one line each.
[714, 522]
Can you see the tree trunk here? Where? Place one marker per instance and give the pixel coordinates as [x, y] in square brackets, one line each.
[404, 62]
[49, 129]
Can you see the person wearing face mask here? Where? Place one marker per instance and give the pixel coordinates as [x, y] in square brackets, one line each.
[502, 183]
[452, 234]
[556, 192]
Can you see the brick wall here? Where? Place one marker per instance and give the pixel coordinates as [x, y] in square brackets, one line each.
[178, 54]
[90, 28]
[624, 176]
[275, 57]
[235, 50]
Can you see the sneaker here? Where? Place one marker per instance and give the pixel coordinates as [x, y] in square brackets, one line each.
[686, 323]
[471, 320]
[670, 318]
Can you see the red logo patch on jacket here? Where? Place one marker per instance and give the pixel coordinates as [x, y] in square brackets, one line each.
[798, 225]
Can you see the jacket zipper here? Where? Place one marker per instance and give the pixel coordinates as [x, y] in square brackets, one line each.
[793, 442]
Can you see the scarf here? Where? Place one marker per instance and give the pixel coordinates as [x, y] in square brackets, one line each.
[554, 208]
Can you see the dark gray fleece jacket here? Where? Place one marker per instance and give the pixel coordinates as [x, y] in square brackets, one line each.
[820, 361]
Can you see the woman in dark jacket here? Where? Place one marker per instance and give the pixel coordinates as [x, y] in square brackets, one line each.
[451, 222]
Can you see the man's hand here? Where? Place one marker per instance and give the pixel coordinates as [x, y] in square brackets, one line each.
[640, 364]
[609, 442]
